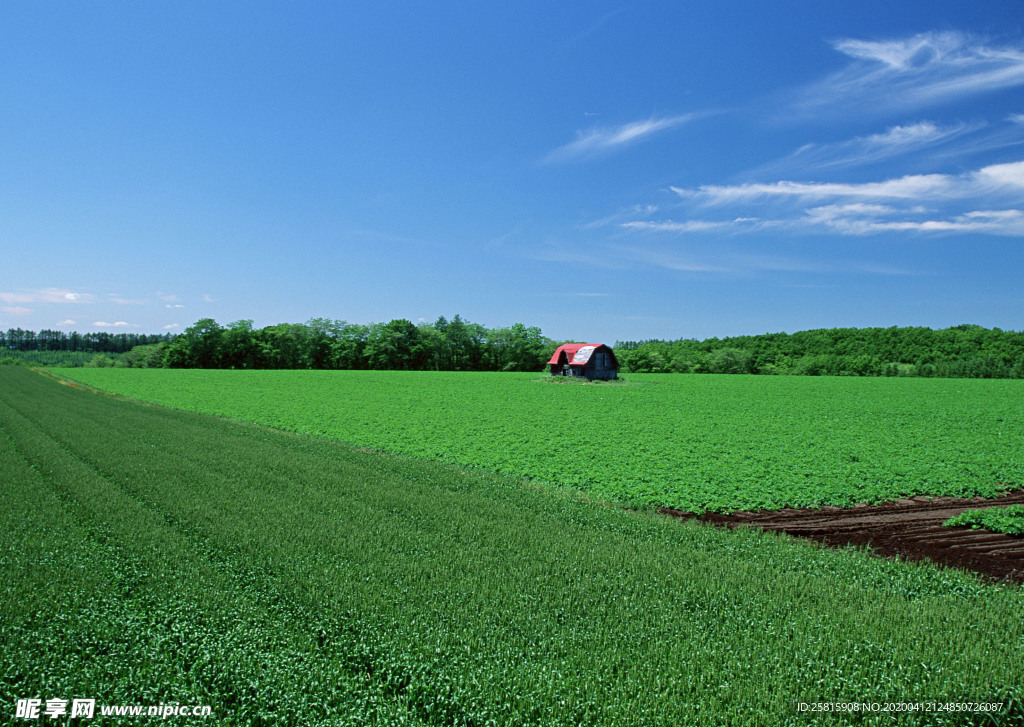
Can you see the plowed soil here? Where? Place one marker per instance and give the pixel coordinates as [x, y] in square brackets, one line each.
[908, 529]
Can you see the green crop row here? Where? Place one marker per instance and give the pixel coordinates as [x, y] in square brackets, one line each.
[153, 556]
[695, 443]
[1009, 520]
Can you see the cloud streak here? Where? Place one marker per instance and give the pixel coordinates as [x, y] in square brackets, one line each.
[732, 263]
[121, 300]
[984, 201]
[870, 219]
[893, 142]
[996, 179]
[922, 70]
[600, 140]
[47, 295]
[739, 223]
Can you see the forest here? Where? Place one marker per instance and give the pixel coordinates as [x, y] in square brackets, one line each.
[17, 339]
[320, 343]
[964, 351]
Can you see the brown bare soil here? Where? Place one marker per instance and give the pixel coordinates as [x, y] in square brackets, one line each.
[908, 529]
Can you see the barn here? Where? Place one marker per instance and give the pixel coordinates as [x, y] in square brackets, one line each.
[588, 360]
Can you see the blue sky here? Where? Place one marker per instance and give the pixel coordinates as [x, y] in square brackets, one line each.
[605, 171]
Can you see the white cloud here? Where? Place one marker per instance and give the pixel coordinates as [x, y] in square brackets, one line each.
[733, 263]
[630, 213]
[67, 322]
[895, 54]
[894, 141]
[899, 139]
[559, 253]
[17, 310]
[602, 139]
[120, 300]
[174, 305]
[171, 326]
[1000, 179]
[47, 295]
[910, 187]
[912, 72]
[984, 201]
[116, 324]
[209, 298]
[746, 223]
[993, 222]
[673, 260]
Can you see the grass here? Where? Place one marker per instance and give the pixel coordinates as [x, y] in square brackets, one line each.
[152, 555]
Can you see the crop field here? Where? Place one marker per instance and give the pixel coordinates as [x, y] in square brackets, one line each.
[688, 442]
[1008, 520]
[157, 555]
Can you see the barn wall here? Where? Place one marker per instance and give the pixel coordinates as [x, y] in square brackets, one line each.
[601, 365]
[593, 372]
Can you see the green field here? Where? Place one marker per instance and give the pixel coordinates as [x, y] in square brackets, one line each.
[152, 556]
[691, 442]
[1009, 520]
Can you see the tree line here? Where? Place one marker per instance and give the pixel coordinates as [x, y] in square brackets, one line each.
[16, 339]
[321, 343]
[964, 351]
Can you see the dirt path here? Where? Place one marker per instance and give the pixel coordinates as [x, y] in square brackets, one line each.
[908, 529]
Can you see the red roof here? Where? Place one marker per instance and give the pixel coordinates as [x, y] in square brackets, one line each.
[577, 354]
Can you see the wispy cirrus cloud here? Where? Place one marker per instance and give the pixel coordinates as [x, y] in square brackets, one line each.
[121, 300]
[893, 142]
[872, 219]
[47, 295]
[913, 72]
[674, 260]
[16, 310]
[738, 223]
[735, 263]
[915, 186]
[995, 179]
[599, 140]
[984, 201]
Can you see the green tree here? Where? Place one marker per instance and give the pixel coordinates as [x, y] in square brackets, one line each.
[518, 348]
[99, 361]
[145, 356]
[349, 345]
[396, 345]
[730, 361]
[239, 347]
[284, 346]
[198, 347]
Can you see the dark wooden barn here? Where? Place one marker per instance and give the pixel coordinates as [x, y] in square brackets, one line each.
[587, 360]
